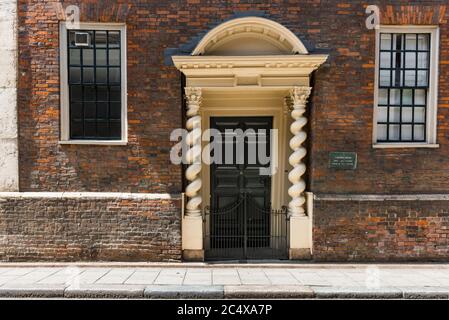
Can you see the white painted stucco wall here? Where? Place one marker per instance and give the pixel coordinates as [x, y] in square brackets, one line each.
[9, 165]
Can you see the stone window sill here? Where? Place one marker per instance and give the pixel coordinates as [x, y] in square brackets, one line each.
[405, 145]
[95, 142]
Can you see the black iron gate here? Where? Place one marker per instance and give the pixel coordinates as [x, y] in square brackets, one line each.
[244, 230]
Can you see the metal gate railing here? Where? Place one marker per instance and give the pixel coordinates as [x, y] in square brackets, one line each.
[244, 230]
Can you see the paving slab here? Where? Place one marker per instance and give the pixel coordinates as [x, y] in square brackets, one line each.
[105, 291]
[18, 271]
[143, 277]
[183, 292]
[64, 276]
[198, 277]
[115, 276]
[91, 275]
[280, 277]
[170, 277]
[36, 275]
[253, 277]
[268, 292]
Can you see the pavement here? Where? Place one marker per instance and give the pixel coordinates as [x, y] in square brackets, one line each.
[224, 281]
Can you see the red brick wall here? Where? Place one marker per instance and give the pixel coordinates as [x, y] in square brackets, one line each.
[342, 106]
[352, 230]
[341, 110]
[89, 229]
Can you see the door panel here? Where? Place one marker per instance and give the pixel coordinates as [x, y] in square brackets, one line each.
[240, 196]
[230, 180]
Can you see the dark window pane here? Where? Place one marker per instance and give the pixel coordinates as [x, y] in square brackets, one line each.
[101, 39]
[90, 110]
[114, 57]
[114, 39]
[115, 94]
[116, 129]
[102, 110]
[75, 56]
[102, 93]
[103, 129]
[88, 57]
[95, 85]
[88, 75]
[114, 75]
[76, 128]
[102, 57]
[90, 128]
[102, 75]
[89, 93]
[71, 38]
[115, 110]
[76, 93]
[76, 110]
[75, 75]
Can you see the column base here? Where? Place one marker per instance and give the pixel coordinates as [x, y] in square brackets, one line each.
[192, 239]
[193, 255]
[299, 254]
[300, 234]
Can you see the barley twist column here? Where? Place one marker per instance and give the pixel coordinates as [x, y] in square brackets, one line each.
[298, 98]
[193, 156]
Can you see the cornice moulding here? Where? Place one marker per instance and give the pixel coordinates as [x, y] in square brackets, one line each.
[229, 62]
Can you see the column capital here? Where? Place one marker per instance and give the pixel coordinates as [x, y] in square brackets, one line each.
[193, 95]
[298, 96]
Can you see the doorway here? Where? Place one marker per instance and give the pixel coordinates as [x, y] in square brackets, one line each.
[241, 222]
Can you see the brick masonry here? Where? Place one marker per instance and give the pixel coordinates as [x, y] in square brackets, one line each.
[388, 230]
[89, 229]
[342, 105]
[341, 119]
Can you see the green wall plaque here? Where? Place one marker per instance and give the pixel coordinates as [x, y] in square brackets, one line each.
[343, 160]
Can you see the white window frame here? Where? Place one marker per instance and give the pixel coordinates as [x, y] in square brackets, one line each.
[64, 83]
[432, 103]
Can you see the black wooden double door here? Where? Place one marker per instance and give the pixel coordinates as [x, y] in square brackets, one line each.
[240, 191]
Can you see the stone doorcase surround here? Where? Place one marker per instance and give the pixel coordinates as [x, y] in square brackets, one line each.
[246, 59]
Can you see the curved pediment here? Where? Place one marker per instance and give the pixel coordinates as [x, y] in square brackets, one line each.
[250, 36]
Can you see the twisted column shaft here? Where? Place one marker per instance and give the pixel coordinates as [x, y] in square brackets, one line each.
[298, 99]
[193, 156]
